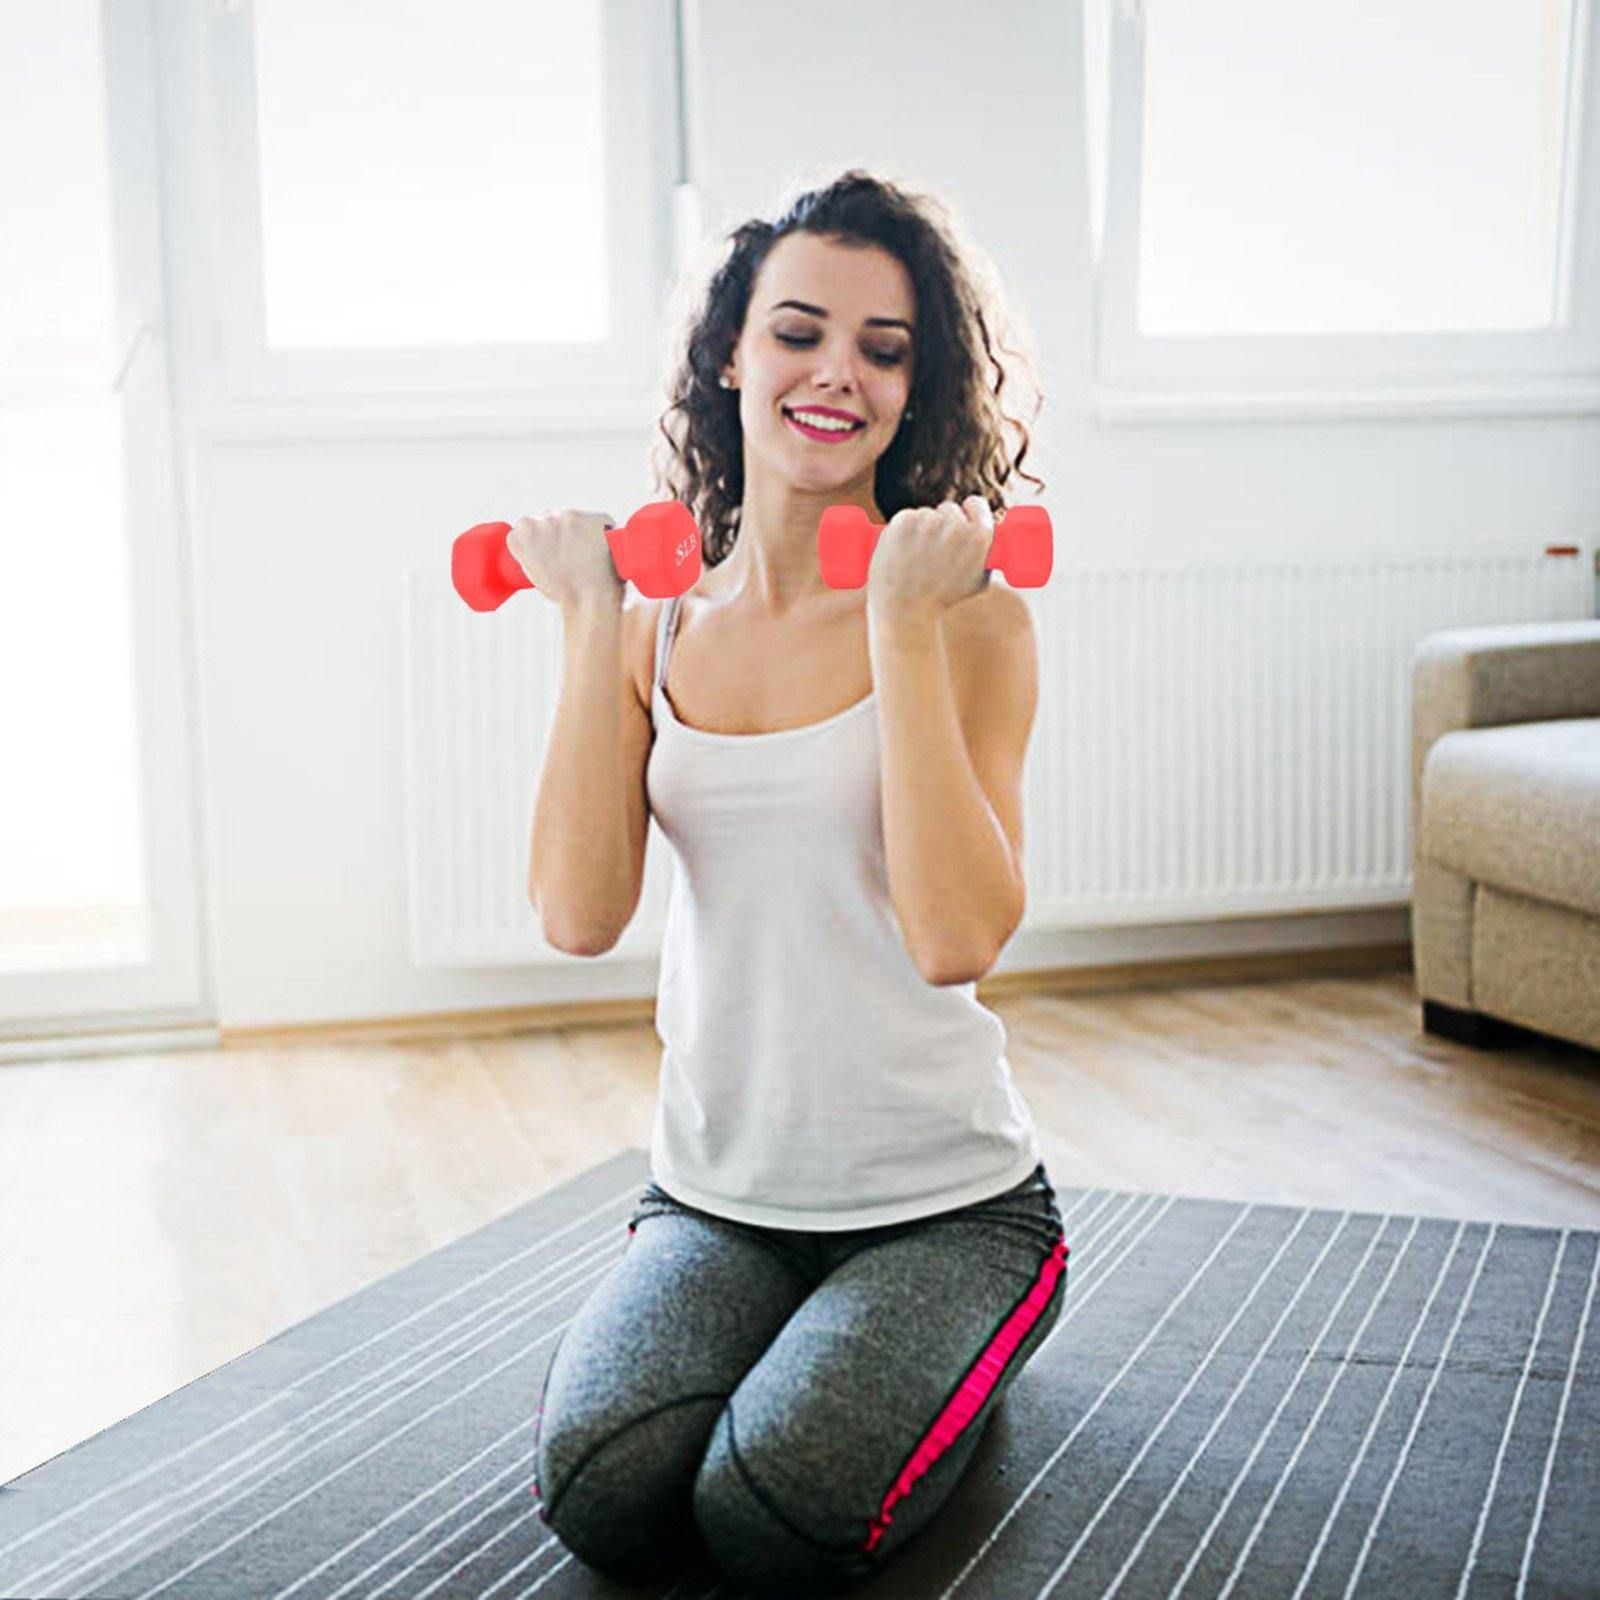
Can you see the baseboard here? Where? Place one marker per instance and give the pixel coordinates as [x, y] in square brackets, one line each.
[1248, 967]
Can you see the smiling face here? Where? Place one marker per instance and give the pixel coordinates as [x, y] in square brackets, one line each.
[850, 352]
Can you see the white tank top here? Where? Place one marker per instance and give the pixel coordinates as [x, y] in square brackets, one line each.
[811, 1077]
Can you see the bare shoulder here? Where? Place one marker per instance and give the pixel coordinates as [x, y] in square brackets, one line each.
[641, 626]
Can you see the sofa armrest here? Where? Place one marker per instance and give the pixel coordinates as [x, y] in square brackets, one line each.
[1484, 677]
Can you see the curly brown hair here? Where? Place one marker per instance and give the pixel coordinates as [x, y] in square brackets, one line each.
[952, 445]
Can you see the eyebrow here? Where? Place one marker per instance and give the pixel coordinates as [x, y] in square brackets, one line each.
[872, 322]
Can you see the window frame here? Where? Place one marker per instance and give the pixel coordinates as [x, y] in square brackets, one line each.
[549, 380]
[1142, 378]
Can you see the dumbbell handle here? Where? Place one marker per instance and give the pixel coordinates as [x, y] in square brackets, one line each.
[657, 549]
[1022, 547]
[485, 572]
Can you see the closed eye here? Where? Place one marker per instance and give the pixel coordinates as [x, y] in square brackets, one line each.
[883, 358]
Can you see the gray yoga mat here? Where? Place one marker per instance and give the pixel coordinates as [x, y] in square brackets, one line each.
[1251, 1400]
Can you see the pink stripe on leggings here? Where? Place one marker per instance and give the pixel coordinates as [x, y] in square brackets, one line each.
[975, 1388]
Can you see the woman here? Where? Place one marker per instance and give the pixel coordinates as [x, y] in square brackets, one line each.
[849, 1246]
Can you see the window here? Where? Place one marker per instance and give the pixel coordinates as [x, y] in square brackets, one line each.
[100, 917]
[424, 199]
[1348, 205]
[72, 866]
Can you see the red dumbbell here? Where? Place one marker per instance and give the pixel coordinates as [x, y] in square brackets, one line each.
[657, 549]
[1022, 549]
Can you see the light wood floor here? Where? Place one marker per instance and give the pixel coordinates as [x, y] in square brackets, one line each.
[161, 1214]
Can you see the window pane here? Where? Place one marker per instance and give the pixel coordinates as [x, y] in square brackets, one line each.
[55, 262]
[72, 872]
[1384, 168]
[431, 174]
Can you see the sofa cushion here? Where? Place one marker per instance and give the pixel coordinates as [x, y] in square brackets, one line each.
[1518, 807]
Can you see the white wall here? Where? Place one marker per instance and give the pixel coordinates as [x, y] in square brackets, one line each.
[297, 546]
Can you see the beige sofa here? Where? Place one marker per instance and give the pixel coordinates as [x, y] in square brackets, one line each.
[1505, 838]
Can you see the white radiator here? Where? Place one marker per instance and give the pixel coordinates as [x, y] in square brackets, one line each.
[1213, 739]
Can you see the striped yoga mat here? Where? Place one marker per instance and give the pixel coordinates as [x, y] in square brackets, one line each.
[1239, 1400]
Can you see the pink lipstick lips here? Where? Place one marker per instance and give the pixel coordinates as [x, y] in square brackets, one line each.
[821, 435]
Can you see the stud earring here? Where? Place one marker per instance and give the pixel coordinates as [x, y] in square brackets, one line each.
[723, 380]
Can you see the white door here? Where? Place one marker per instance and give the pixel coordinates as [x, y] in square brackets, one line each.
[100, 925]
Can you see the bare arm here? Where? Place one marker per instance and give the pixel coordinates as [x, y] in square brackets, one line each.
[586, 857]
[953, 879]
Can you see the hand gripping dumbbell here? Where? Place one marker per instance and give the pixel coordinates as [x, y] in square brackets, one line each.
[1022, 548]
[657, 549]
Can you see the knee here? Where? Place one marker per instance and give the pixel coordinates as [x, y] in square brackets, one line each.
[779, 1541]
[619, 1496]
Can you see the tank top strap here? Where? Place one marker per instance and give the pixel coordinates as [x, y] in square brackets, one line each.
[666, 625]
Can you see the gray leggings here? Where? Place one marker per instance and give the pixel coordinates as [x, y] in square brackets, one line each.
[790, 1407]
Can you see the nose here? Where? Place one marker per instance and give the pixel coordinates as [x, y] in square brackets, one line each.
[835, 372]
